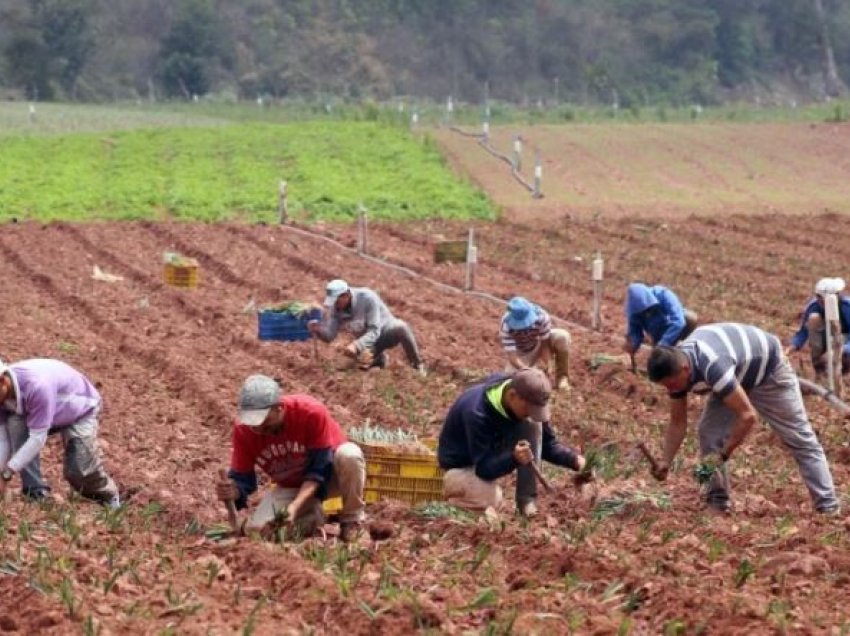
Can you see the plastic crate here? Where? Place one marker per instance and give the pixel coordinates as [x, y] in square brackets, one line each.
[332, 506]
[406, 477]
[185, 276]
[275, 325]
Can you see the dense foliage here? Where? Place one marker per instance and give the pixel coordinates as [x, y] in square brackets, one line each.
[622, 52]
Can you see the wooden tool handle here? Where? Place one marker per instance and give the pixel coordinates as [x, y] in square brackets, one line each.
[543, 481]
[231, 507]
[645, 451]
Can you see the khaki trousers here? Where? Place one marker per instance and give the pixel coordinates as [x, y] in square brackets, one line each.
[557, 346]
[347, 481]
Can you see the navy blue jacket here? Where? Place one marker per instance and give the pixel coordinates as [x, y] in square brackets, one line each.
[476, 434]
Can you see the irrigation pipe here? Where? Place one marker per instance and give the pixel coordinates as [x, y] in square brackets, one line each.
[414, 274]
[486, 145]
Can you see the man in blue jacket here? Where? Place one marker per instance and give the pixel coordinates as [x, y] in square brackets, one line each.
[494, 428]
[813, 329]
[657, 312]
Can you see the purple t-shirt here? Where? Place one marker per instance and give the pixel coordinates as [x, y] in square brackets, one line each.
[49, 393]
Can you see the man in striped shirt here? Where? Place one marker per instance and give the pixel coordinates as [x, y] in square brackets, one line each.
[748, 375]
[528, 340]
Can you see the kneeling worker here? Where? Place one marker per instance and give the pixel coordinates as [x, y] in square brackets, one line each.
[494, 428]
[297, 443]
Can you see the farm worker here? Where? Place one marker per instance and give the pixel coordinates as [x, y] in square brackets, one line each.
[494, 428]
[39, 397]
[813, 326]
[296, 442]
[748, 375]
[528, 339]
[375, 329]
[657, 312]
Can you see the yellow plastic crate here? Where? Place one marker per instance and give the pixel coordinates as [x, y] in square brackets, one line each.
[407, 477]
[332, 506]
[411, 490]
[185, 276]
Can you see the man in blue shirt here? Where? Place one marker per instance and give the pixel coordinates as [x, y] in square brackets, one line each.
[655, 311]
[813, 326]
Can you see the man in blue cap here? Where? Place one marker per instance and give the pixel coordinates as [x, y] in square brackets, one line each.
[657, 312]
[366, 316]
[528, 339]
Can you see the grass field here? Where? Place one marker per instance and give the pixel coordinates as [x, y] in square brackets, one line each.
[229, 171]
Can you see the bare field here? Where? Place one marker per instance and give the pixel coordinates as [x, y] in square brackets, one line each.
[666, 170]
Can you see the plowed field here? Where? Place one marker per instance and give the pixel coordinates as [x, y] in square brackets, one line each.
[169, 363]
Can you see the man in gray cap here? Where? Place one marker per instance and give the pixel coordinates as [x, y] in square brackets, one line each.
[494, 428]
[303, 450]
[375, 329]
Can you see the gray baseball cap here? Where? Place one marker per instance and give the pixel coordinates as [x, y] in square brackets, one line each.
[533, 386]
[259, 394]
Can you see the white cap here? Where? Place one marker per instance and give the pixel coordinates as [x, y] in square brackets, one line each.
[334, 290]
[829, 285]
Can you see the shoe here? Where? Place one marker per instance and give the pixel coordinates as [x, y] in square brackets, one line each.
[563, 384]
[528, 509]
[421, 370]
[36, 496]
[720, 505]
[349, 531]
[830, 511]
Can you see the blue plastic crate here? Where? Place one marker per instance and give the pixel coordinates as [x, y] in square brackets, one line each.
[274, 325]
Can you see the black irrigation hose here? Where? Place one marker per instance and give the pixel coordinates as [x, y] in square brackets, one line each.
[486, 145]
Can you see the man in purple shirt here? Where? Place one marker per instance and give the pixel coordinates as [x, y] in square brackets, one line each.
[39, 397]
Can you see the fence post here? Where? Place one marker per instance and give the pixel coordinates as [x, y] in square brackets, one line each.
[362, 230]
[517, 153]
[831, 318]
[471, 260]
[282, 206]
[414, 120]
[450, 109]
[596, 276]
[538, 176]
[485, 131]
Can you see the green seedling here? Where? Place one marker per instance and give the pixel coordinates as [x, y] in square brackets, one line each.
[443, 510]
[743, 573]
[485, 598]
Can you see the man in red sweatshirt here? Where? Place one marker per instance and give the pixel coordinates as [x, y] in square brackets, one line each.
[294, 440]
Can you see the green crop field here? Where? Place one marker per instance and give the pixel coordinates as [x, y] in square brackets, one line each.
[168, 169]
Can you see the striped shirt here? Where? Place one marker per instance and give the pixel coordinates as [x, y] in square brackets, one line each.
[728, 354]
[525, 340]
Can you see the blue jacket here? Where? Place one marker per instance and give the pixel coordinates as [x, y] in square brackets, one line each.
[655, 310]
[814, 306]
[474, 434]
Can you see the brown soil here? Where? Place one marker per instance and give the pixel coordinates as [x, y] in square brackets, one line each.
[169, 363]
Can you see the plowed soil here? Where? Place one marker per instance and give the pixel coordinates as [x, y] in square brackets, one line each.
[169, 363]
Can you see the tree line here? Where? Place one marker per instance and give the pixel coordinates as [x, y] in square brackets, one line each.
[621, 52]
